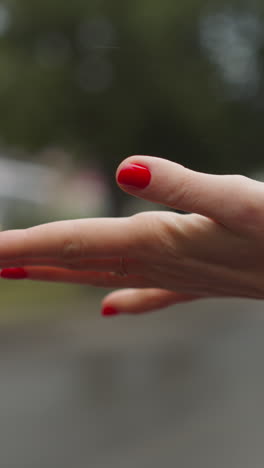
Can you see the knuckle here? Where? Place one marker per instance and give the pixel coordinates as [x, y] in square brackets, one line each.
[179, 196]
[248, 206]
[72, 251]
[170, 234]
[182, 197]
[160, 231]
[248, 215]
[25, 237]
[145, 231]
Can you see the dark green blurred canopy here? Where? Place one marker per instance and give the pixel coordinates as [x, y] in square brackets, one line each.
[106, 79]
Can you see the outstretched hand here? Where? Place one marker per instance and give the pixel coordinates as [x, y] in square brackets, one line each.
[155, 258]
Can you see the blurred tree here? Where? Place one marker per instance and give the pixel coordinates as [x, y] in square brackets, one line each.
[108, 79]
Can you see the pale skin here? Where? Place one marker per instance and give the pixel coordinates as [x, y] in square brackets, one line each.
[216, 251]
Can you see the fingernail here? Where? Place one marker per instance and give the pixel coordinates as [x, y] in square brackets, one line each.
[109, 311]
[14, 273]
[134, 175]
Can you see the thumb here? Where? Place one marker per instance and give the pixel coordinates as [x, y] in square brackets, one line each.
[233, 200]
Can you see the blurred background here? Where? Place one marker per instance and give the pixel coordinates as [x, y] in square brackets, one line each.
[84, 84]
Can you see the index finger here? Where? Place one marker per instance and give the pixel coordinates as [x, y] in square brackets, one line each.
[72, 238]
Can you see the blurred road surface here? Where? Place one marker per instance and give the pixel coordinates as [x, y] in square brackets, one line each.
[183, 387]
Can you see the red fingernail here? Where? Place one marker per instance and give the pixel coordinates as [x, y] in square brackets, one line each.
[13, 273]
[109, 311]
[134, 175]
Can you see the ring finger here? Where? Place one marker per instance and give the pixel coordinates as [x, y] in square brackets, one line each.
[63, 275]
[124, 265]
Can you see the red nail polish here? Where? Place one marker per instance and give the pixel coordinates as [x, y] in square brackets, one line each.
[134, 175]
[13, 273]
[109, 311]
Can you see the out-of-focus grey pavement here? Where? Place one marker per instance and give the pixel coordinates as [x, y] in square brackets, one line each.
[181, 387]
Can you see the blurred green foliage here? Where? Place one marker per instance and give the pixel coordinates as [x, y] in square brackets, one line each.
[45, 301]
[106, 79]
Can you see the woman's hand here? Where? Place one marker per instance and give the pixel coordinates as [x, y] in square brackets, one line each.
[156, 258]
